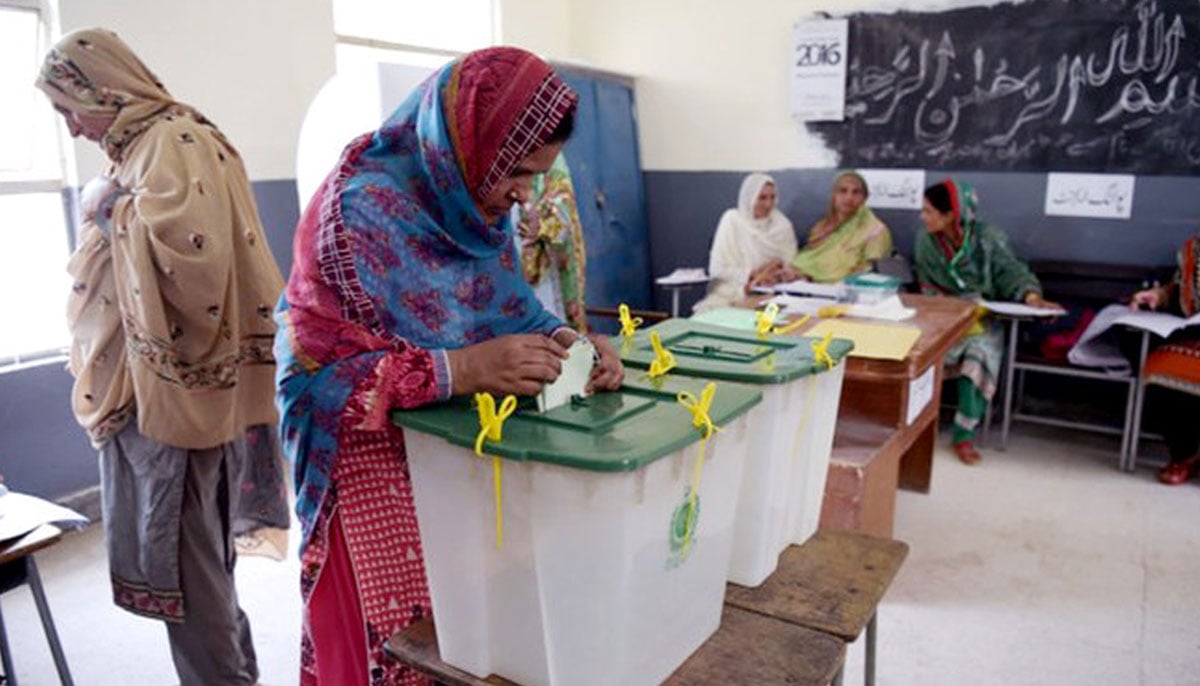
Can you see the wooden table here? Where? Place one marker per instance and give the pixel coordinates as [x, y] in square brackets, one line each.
[880, 389]
[749, 648]
[17, 567]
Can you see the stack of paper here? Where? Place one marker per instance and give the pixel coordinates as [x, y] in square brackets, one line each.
[1097, 348]
[20, 514]
[819, 290]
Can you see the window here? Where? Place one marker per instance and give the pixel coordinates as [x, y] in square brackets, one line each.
[33, 228]
[433, 26]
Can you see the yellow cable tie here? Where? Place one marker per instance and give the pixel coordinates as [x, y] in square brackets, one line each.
[765, 320]
[700, 420]
[663, 361]
[820, 350]
[491, 427]
[629, 323]
[831, 311]
[788, 328]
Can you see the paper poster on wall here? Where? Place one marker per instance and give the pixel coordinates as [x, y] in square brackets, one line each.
[819, 56]
[1106, 196]
[895, 188]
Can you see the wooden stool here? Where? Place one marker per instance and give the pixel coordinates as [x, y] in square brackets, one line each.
[17, 567]
[748, 649]
[833, 583]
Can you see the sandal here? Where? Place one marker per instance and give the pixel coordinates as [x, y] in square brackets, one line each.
[966, 452]
[1176, 473]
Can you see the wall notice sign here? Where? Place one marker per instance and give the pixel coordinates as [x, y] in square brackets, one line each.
[1106, 196]
[819, 56]
[901, 189]
[920, 392]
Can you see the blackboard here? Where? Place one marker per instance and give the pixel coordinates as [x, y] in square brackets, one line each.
[1064, 85]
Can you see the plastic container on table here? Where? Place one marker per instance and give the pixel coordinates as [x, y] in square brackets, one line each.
[869, 288]
[596, 580]
[790, 434]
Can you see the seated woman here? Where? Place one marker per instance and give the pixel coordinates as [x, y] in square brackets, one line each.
[959, 255]
[847, 239]
[1175, 366]
[749, 238]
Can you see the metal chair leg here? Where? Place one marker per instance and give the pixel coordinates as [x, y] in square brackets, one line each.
[1009, 358]
[1131, 456]
[39, 598]
[869, 675]
[10, 674]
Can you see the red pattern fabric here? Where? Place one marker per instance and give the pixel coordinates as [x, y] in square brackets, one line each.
[491, 140]
[372, 504]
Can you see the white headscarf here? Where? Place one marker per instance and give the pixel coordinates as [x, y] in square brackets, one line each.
[743, 243]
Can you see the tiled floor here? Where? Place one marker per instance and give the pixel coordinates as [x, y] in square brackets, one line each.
[1042, 565]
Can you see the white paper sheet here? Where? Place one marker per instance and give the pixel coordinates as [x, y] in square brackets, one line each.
[683, 276]
[20, 514]
[1098, 348]
[1105, 196]
[920, 392]
[895, 188]
[1020, 310]
[819, 58]
[890, 309]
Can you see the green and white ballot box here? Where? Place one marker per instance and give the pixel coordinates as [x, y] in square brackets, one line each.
[789, 437]
[588, 544]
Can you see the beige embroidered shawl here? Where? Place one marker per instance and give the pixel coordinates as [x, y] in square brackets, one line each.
[171, 313]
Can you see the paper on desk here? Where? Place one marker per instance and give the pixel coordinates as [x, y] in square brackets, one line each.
[1020, 310]
[683, 276]
[876, 341]
[1098, 348]
[576, 370]
[889, 309]
[820, 290]
[20, 514]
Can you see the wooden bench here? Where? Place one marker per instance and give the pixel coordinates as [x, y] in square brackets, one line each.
[833, 584]
[748, 648]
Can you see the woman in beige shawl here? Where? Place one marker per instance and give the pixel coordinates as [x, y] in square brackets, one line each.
[170, 317]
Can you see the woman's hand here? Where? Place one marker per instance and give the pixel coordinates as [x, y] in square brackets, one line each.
[519, 364]
[1150, 299]
[92, 198]
[1036, 300]
[608, 373]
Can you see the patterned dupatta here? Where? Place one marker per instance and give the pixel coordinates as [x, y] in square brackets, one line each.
[1189, 276]
[395, 252]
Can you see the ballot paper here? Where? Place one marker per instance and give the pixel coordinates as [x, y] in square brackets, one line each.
[576, 370]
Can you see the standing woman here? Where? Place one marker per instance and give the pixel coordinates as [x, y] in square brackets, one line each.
[550, 240]
[1175, 366]
[752, 239]
[961, 256]
[847, 239]
[405, 291]
[171, 327]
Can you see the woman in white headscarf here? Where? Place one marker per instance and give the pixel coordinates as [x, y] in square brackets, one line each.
[750, 237]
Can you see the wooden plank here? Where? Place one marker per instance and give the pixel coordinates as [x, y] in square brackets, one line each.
[832, 583]
[749, 648]
[860, 491]
[44, 536]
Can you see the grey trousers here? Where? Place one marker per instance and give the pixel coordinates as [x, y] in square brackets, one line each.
[155, 494]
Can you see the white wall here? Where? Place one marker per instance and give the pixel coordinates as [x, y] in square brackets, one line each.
[540, 26]
[251, 66]
[712, 75]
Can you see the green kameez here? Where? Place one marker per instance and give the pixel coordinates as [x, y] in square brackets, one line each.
[981, 264]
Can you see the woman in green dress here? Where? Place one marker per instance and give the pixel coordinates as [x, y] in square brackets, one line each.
[961, 256]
